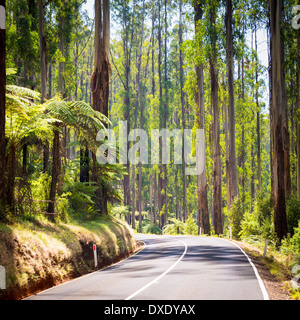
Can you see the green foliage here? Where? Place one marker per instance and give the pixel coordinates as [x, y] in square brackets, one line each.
[176, 227]
[120, 211]
[151, 229]
[235, 217]
[259, 222]
[296, 239]
[293, 214]
[40, 186]
[80, 199]
[63, 206]
[190, 226]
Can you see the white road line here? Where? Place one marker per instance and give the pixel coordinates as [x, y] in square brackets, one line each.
[162, 275]
[260, 282]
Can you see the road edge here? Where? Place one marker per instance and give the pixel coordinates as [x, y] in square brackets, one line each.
[259, 279]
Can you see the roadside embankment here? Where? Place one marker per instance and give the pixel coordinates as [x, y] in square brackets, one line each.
[39, 254]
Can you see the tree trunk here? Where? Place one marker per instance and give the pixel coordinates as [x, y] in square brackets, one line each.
[140, 197]
[11, 175]
[257, 119]
[286, 134]
[24, 160]
[165, 113]
[100, 77]
[50, 81]
[182, 96]
[270, 106]
[135, 119]
[231, 107]
[100, 83]
[227, 157]
[42, 52]
[280, 220]
[84, 165]
[155, 200]
[61, 47]
[2, 102]
[127, 52]
[298, 123]
[217, 173]
[55, 173]
[203, 213]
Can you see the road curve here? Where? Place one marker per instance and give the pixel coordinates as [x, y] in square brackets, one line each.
[170, 268]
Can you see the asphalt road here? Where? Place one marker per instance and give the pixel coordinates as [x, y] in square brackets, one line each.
[170, 268]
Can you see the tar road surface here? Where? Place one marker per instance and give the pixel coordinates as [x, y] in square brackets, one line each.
[170, 268]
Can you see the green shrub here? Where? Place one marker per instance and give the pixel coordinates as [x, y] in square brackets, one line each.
[151, 229]
[260, 221]
[120, 211]
[293, 214]
[296, 239]
[174, 227]
[63, 206]
[249, 226]
[190, 227]
[80, 197]
[40, 186]
[235, 217]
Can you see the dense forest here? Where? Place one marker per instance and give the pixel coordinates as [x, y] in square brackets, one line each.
[191, 65]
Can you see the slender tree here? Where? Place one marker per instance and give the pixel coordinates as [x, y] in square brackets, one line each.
[182, 100]
[100, 83]
[298, 108]
[217, 174]
[100, 77]
[138, 81]
[280, 220]
[2, 99]
[233, 176]
[257, 118]
[203, 213]
[42, 51]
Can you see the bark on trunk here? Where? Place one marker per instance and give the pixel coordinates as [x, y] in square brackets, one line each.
[277, 119]
[100, 77]
[257, 120]
[84, 165]
[135, 122]
[55, 173]
[298, 123]
[217, 174]
[100, 84]
[203, 213]
[42, 52]
[2, 104]
[231, 106]
[182, 96]
[11, 174]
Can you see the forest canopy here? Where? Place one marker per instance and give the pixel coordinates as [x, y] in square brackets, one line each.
[227, 68]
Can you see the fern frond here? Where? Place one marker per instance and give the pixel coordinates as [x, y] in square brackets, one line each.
[22, 92]
[61, 111]
[16, 105]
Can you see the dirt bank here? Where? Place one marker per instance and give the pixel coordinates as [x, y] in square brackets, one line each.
[39, 254]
